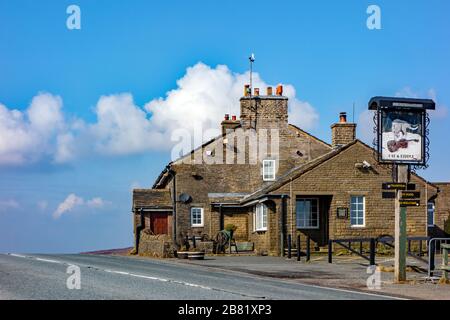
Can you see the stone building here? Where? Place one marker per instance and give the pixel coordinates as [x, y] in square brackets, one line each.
[272, 179]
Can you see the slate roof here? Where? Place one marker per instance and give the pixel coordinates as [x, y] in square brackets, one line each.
[152, 199]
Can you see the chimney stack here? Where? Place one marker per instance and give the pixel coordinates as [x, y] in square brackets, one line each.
[342, 133]
[228, 124]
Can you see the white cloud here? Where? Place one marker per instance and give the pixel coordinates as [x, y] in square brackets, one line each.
[26, 136]
[73, 201]
[8, 204]
[203, 95]
[96, 203]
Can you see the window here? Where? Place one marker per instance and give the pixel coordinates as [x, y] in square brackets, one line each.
[430, 210]
[307, 211]
[197, 217]
[357, 211]
[268, 170]
[260, 218]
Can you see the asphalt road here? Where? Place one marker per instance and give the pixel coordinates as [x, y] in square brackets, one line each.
[116, 277]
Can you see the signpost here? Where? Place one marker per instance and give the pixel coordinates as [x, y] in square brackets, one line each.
[401, 142]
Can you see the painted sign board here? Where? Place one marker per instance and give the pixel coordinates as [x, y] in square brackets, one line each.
[410, 194]
[409, 203]
[398, 186]
[401, 129]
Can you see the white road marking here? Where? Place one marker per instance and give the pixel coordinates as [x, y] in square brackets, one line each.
[48, 260]
[17, 255]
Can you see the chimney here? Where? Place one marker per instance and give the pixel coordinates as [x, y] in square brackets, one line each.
[342, 133]
[279, 90]
[228, 124]
[246, 90]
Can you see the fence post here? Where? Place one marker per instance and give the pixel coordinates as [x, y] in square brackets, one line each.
[193, 242]
[330, 251]
[308, 248]
[360, 248]
[372, 251]
[298, 248]
[420, 248]
[409, 246]
[431, 256]
[187, 243]
[289, 246]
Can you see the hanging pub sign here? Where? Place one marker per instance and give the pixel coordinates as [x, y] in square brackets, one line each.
[401, 129]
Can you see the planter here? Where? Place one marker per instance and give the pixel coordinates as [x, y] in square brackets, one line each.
[196, 255]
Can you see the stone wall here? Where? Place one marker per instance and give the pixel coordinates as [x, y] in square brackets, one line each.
[158, 246]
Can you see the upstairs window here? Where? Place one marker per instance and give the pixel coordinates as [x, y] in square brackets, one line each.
[430, 210]
[268, 170]
[197, 217]
[260, 218]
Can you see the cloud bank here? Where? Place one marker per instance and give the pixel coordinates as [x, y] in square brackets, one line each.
[202, 96]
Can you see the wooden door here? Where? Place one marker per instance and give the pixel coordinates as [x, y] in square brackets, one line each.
[158, 223]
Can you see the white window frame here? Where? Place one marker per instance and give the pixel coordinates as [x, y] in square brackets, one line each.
[318, 214]
[197, 225]
[363, 225]
[269, 176]
[260, 217]
[434, 213]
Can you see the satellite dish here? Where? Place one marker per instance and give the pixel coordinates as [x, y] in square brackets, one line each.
[184, 197]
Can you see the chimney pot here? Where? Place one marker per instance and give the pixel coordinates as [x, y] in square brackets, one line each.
[256, 92]
[233, 118]
[269, 91]
[246, 90]
[227, 116]
[343, 117]
[279, 90]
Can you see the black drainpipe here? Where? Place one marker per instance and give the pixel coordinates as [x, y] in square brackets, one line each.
[283, 209]
[174, 208]
[139, 229]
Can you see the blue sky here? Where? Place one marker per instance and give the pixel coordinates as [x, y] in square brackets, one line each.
[323, 49]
